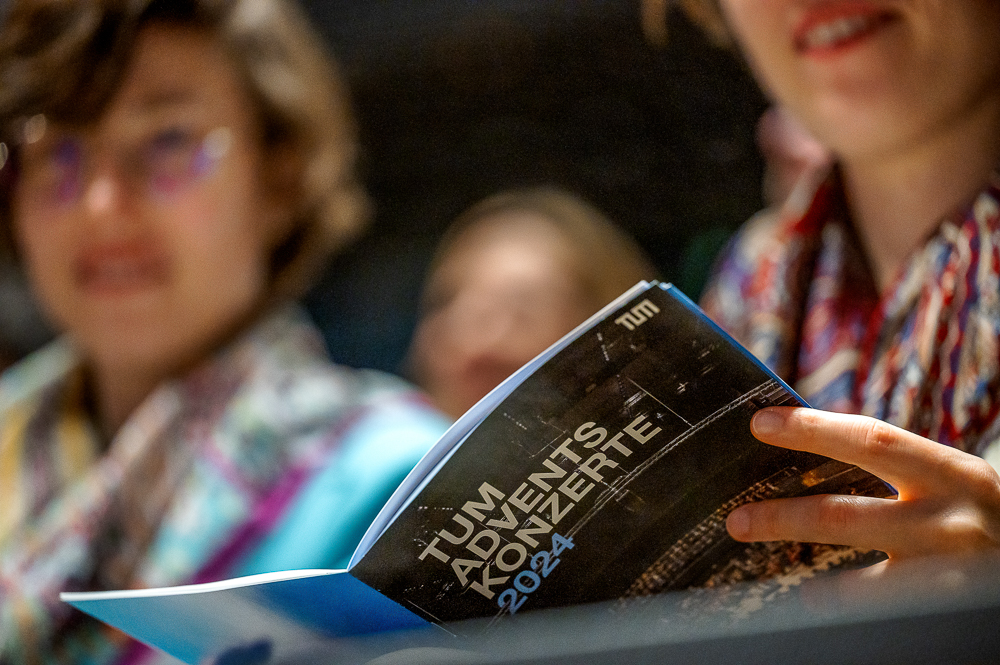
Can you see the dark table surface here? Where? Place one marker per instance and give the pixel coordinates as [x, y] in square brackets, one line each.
[927, 611]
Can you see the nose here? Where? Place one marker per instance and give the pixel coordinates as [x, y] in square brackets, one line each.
[100, 194]
[482, 326]
[103, 195]
[491, 339]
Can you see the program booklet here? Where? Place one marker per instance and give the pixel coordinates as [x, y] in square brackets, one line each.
[602, 470]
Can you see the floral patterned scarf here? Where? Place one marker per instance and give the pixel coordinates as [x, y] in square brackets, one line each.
[795, 288]
[193, 480]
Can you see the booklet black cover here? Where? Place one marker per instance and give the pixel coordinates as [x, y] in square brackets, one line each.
[607, 473]
[602, 470]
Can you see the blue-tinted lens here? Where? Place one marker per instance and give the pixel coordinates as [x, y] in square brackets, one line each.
[175, 158]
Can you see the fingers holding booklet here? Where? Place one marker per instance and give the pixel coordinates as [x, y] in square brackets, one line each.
[949, 500]
[603, 470]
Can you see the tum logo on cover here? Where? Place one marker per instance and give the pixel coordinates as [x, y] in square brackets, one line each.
[638, 315]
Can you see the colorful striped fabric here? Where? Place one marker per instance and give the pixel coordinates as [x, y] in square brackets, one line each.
[794, 287]
[194, 485]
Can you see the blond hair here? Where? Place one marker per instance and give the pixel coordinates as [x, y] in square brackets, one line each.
[606, 260]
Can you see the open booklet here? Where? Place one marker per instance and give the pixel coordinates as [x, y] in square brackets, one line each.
[604, 469]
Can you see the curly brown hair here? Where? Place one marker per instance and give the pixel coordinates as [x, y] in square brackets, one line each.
[66, 59]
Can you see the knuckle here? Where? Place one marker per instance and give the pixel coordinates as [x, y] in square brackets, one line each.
[766, 521]
[977, 478]
[986, 483]
[834, 514]
[878, 438]
[966, 530]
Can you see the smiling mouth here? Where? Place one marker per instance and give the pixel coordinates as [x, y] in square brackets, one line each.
[837, 33]
[119, 270]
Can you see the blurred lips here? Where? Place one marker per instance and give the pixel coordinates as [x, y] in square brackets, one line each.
[833, 27]
[120, 268]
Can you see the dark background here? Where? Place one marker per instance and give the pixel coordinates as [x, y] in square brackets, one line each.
[458, 99]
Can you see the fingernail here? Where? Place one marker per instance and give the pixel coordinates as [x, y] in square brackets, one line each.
[766, 422]
[738, 524]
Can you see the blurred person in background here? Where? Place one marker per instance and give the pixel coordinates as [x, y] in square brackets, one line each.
[511, 276]
[175, 173]
[878, 293]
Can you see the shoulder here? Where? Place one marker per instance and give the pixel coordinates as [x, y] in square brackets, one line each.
[355, 432]
[362, 406]
[734, 280]
[367, 454]
[758, 259]
[390, 415]
[289, 387]
[753, 241]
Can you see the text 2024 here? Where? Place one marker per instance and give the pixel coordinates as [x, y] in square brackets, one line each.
[528, 581]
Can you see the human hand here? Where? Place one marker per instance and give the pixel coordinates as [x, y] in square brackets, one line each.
[948, 502]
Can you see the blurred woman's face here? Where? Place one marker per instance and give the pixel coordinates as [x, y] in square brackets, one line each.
[145, 235]
[502, 295]
[869, 77]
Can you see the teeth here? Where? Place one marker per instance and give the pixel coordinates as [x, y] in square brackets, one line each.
[829, 34]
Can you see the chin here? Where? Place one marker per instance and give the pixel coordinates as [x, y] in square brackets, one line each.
[862, 130]
[139, 345]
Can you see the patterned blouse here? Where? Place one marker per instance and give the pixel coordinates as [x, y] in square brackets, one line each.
[795, 287]
[266, 457]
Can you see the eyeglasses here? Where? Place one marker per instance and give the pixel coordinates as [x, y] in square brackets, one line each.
[54, 171]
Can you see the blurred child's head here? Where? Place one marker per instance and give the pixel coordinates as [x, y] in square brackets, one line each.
[514, 274]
